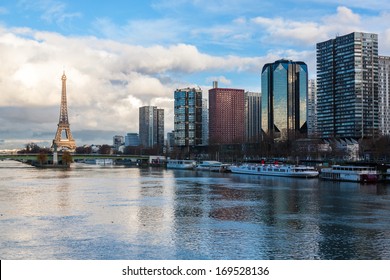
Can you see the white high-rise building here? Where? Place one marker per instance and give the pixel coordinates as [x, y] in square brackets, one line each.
[347, 86]
[205, 122]
[312, 108]
[384, 94]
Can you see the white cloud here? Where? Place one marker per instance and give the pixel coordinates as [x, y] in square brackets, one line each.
[384, 48]
[309, 32]
[220, 79]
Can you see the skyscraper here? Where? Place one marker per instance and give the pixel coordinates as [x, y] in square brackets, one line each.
[384, 95]
[188, 117]
[226, 115]
[253, 117]
[312, 108]
[151, 126]
[347, 86]
[205, 122]
[284, 86]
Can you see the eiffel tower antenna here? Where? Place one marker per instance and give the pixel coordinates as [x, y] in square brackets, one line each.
[63, 138]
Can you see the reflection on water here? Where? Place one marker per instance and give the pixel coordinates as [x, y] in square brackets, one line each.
[131, 213]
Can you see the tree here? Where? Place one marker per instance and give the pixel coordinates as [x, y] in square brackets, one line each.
[42, 158]
[32, 148]
[66, 158]
[105, 149]
[84, 150]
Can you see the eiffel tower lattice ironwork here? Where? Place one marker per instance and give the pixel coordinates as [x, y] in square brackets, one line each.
[63, 138]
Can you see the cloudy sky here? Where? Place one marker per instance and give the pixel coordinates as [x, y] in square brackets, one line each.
[122, 54]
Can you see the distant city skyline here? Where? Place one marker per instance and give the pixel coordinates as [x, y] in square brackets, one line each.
[123, 55]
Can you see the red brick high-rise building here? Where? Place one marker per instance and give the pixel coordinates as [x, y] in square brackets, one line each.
[226, 115]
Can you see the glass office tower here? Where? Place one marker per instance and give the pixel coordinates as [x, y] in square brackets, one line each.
[284, 85]
[347, 86]
[188, 117]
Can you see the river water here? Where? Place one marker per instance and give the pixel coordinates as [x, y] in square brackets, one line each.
[90, 212]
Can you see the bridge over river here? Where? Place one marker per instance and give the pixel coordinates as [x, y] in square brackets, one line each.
[143, 159]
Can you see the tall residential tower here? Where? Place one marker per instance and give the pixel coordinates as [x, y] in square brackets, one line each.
[253, 117]
[347, 86]
[188, 117]
[151, 126]
[384, 95]
[312, 109]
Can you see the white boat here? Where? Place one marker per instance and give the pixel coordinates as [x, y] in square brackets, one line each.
[100, 161]
[180, 164]
[301, 171]
[350, 173]
[214, 166]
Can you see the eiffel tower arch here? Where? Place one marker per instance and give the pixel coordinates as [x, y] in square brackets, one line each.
[64, 139]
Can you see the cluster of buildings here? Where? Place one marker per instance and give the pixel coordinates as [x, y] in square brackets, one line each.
[349, 99]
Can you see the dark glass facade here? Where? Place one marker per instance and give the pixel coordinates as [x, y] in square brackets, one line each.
[347, 86]
[284, 85]
[188, 117]
[253, 117]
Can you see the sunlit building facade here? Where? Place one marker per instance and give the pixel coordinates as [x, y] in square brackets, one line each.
[188, 117]
[347, 86]
[284, 86]
[384, 95]
[226, 115]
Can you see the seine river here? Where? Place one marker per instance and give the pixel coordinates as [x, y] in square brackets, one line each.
[90, 212]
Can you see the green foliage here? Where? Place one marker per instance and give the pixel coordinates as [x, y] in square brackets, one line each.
[42, 158]
[66, 158]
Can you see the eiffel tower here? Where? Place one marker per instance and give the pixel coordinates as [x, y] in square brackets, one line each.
[64, 139]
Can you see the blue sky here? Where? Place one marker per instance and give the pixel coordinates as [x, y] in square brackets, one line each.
[119, 55]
